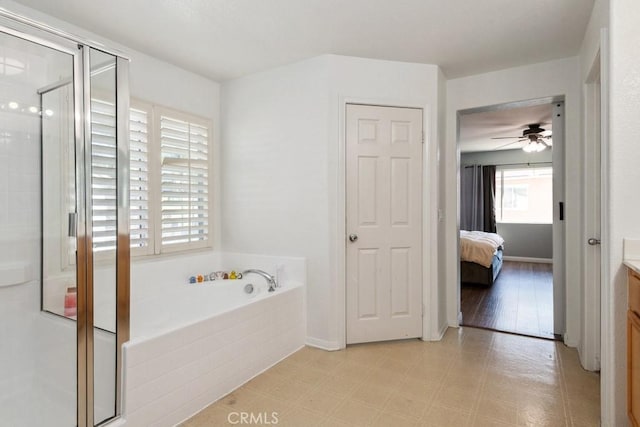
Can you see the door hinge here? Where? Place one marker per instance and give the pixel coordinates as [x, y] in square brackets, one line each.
[423, 137]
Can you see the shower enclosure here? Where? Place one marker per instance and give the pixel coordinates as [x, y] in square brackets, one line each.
[64, 233]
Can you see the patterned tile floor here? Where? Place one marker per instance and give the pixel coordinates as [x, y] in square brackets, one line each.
[473, 377]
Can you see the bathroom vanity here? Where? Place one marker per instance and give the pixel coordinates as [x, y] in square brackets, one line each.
[633, 346]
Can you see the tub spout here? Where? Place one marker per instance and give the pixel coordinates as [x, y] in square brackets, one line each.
[269, 278]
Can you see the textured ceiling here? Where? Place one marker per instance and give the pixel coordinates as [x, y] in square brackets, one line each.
[224, 39]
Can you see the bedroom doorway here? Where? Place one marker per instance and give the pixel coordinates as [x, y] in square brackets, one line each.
[511, 213]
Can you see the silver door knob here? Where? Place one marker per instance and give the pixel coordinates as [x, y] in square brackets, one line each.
[353, 237]
[593, 241]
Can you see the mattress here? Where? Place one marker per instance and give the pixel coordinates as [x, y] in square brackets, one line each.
[479, 247]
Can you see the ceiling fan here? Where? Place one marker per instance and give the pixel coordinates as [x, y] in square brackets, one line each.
[535, 135]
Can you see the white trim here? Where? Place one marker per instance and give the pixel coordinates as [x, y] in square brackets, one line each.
[453, 264]
[589, 347]
[323, 344]
[608, 332]
[439, 335]
[528, 259]
[429, 215]
[559, 227]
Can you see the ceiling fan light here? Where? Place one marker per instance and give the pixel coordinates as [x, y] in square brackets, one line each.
[530, 147]
[540, 146]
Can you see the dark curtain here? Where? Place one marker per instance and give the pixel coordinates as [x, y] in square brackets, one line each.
[489, 193]
[477, 198]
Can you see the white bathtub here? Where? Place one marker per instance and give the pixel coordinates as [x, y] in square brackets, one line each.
[190, 303]
[193, 343]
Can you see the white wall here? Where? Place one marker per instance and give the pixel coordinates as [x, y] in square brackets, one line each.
[593, 353]
[381, 83]
[517, 84]
[441, 179]
[283, 165]
[624, 176]
[274, 160]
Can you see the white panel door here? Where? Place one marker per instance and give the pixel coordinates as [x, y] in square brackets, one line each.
[384, 223]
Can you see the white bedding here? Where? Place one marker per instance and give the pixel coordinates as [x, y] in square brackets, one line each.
[479, 246]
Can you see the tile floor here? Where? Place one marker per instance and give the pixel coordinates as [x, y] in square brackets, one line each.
[473, 377]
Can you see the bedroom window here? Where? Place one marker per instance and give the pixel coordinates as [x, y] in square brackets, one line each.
[525, 195]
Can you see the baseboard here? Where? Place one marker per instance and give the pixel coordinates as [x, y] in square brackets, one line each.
[443, 331]
[569, 342]
[528, 259]
[322, 344]
[437, 336]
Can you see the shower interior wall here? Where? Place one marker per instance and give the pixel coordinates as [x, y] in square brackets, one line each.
[38, 357]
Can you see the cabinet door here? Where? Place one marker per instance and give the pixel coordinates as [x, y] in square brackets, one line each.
[634, 292]
[633, 368]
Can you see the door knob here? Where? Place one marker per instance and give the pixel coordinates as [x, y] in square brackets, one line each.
[353, 237]
[593, 241]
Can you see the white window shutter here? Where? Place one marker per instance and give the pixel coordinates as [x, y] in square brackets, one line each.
[139, 179]
[103, 146]
[103, 175]
[184, 189]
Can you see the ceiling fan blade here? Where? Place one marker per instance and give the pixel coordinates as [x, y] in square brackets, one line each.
[546, 144]
[506, 137]
[506, 145]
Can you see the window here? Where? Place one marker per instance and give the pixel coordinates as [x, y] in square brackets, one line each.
[524, 195]
[103, 174]
[179, 203]
[139, 116]
[515, 197]
[184, 147]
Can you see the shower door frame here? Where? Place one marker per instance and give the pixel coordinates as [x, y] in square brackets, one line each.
[80, 49]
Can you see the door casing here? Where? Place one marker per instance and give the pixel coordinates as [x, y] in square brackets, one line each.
[433, 328]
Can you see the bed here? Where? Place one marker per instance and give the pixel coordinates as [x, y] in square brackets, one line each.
[480, 257]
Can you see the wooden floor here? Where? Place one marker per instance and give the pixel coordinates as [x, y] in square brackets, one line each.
[520, 301]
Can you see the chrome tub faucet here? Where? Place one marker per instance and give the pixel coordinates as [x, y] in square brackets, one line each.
[271, 280]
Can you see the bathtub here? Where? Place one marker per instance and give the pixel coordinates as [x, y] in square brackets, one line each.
[193, 343]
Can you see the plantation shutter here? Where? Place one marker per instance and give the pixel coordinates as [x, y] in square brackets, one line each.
[103, 145]
[139, 178]
[185, 171]
[103, 174]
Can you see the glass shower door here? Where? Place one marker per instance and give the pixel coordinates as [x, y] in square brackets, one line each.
[104, 228]
[38, 377]
[64, 242]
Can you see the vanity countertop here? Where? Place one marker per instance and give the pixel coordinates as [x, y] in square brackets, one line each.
[631, 254]
[633, 264]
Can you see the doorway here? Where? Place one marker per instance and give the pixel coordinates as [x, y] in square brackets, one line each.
[511, 193]
[63, 309]
[383, 223]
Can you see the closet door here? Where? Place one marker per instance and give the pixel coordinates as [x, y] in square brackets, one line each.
[384, 223]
